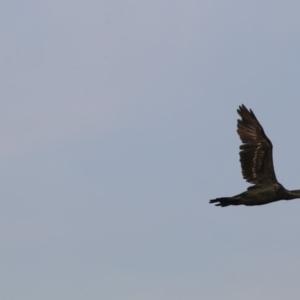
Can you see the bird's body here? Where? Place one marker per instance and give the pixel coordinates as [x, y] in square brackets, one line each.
[257, 166]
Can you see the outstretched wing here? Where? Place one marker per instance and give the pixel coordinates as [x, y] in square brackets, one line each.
[256, 151]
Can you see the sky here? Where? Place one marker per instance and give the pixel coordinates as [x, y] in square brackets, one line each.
[118, 125]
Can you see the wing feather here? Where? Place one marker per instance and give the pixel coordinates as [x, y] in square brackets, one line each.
[256, 151]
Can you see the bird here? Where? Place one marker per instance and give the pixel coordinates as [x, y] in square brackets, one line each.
[256, 158]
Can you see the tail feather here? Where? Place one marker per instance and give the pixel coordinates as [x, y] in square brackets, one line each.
[225, 201]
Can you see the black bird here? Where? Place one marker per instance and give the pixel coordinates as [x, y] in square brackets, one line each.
[257, 166]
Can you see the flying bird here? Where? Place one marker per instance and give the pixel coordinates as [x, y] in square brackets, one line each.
[257, 166]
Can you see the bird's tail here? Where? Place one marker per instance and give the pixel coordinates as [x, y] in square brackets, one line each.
[226, 201]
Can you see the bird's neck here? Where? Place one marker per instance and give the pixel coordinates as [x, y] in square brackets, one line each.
[293, 194]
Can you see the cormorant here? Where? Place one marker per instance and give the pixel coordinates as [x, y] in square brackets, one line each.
[257, 166]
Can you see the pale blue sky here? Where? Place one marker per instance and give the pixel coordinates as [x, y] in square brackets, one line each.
[118, 125]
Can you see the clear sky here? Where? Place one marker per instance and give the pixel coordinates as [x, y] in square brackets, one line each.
[118, 125]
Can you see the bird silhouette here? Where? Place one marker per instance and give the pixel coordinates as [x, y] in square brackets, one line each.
[257, 166]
